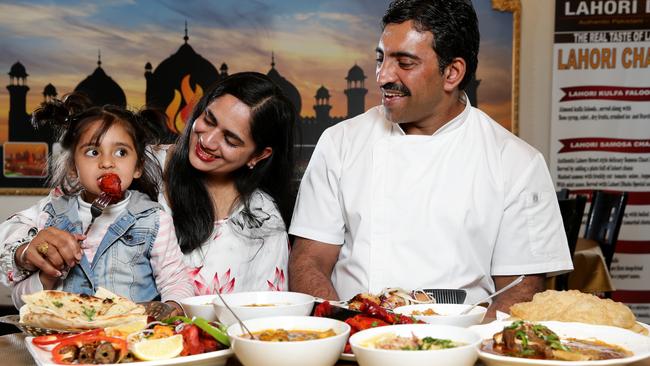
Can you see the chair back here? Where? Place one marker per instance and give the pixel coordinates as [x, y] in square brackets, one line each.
[604, 221]
[572, 210]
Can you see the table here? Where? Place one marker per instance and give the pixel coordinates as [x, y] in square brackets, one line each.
[590, 272]
[15, 353]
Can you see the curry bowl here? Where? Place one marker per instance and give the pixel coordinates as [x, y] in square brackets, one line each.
[638, 345]
[444, 314]
[451, 345]
[323, 351]
[249, 305]
[199, 306]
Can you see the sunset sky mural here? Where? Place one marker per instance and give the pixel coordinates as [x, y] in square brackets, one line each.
[315, 42]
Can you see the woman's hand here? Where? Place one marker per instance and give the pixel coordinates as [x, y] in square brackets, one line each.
[52, 251]
[178, 310]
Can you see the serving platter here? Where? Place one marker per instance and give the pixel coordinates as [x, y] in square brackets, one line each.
[43, 357]
[638, 344]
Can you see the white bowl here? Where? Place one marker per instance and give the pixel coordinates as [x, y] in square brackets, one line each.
[199, 306]
[449, 314]
[464, 355]
[318, 352]
[270, 303]
[636, 343]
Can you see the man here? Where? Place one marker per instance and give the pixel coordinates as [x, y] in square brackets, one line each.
[425, 191]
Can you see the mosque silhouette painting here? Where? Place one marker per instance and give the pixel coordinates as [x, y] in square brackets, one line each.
[173, 87]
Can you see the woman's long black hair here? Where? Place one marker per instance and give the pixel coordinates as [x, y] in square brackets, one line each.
[271, 125]
[72, 116]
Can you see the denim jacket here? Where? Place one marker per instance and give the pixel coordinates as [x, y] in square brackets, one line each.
[122, 260]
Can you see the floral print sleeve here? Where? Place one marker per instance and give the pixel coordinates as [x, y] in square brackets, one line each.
[16, 231]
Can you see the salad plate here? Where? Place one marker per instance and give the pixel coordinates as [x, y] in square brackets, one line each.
[43, 357]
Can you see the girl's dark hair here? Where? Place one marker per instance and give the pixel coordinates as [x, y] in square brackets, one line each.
[271, 125]
[454, 26]
[72, 116]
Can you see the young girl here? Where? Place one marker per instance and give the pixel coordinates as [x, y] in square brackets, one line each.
[131, 248]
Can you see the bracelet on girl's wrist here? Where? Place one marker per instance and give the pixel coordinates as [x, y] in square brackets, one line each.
[21, 258]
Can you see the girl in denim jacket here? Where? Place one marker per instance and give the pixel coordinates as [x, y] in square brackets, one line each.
[131, 248]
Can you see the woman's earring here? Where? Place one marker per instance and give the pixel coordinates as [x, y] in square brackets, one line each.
[251, 165]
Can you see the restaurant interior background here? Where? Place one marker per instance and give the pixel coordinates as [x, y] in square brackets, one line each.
[322, 52]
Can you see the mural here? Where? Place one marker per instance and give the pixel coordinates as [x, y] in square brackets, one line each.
[164, 55]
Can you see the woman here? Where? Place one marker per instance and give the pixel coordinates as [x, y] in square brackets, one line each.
[227, 183]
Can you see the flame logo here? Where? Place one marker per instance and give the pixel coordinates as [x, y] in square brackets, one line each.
[177, 117]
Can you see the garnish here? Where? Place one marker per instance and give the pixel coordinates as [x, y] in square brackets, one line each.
[89, 312]
[58, 304]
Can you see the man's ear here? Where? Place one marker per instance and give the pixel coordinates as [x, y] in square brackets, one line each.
[454, 74]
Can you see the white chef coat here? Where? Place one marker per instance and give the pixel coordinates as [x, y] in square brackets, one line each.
[447, 210]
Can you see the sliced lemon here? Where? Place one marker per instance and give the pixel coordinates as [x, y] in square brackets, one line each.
[126, 329]
[158, 349]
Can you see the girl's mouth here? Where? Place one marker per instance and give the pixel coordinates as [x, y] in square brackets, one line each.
[202, 154]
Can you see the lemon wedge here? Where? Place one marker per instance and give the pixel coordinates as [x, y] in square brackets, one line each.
[158, 349]
[126, 329]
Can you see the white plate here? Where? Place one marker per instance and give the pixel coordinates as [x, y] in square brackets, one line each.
[348, 357]
[216, 358]
[634, 342]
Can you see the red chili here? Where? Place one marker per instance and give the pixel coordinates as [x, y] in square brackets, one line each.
[361, 322]
[62, 355]
[56, 338]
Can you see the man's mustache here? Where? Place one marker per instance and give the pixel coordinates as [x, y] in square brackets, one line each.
[401, 88]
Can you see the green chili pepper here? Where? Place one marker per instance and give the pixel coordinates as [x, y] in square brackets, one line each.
[173, 319]
[217, 333]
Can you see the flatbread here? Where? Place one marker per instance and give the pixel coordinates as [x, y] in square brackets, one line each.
[69, 311]
[576, 306]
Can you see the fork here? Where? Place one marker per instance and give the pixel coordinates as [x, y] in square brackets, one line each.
[97, 207]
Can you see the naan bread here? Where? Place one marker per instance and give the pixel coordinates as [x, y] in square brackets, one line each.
[64, 310]
[575, 306]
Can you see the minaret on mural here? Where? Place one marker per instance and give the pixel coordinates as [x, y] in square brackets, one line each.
[49, 93]
[18, 117]
[356, 91]
[322, 106]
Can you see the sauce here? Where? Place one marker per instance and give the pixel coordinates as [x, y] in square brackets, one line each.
[283, 335]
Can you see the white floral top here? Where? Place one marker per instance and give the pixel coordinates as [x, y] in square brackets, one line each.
[242, 257]
[248, 251]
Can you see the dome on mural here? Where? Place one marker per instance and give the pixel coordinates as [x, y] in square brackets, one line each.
[49, 90]
[185, 61]
[322, 93]
[101, 88]
[355, 74]
[289, 90]
[18, 70]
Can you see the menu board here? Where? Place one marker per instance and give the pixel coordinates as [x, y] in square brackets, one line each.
[600, 128]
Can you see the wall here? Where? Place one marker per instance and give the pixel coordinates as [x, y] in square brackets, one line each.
[534, 92]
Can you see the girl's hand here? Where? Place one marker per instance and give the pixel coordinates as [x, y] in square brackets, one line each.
[51, 251]
[49, 282]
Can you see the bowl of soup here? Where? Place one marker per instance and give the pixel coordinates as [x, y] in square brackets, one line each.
[258, 304]
[199, 306]
[416, 344]
[289, 341]
[444, 314]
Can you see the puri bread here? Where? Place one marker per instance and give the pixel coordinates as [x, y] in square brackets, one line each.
[64, 310]
[575, 306]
